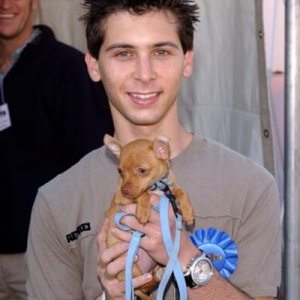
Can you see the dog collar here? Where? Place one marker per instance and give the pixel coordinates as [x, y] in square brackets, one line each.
[164, 186]
[162, 183]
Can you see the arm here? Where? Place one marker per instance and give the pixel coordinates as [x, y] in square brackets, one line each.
[48, 259]
[219, 288]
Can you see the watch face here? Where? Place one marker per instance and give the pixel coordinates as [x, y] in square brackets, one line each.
[202, 271]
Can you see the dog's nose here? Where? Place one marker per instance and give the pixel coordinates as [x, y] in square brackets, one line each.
[125, 190]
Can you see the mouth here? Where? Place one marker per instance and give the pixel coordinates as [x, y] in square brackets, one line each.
[134, 194]
[6, 16]
[144, 98]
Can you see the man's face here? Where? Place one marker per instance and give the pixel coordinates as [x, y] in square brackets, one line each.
[141, 63]
[15, 18]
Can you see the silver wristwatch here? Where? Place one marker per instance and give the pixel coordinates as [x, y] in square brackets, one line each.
[199, 271]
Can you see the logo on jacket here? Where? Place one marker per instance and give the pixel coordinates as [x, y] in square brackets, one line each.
[73, 236]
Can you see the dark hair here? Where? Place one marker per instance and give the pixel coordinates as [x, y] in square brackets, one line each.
[186, 12]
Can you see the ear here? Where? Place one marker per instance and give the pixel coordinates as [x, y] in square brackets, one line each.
[188, 63]
[93, 67]
[161, 147]
[113, 145]
[34, 5]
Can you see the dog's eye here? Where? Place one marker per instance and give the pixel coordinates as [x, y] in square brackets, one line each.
[142, 170]
[120, 171]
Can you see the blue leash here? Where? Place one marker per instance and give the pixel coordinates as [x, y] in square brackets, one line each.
[173, 265]
[132, 251]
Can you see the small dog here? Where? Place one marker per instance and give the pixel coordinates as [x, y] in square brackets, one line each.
[142, 164]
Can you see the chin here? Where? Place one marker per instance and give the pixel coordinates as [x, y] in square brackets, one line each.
[145, 120]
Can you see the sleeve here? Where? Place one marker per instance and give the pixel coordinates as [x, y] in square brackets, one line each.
[48, 257]
[259, 241]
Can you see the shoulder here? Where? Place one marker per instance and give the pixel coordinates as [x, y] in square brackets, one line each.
[241, 172]
[70, 189]
[48, 36]
[75, 179]
[232, 162]
[56, 50]
[228, 179]
[212, 157]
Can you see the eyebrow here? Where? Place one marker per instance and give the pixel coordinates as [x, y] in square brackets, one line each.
[129, 46]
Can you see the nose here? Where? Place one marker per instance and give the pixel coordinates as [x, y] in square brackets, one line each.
[144, 69]
[5, 4]
[125, 190]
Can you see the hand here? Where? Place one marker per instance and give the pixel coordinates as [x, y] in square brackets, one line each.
[111, 263]
[144, 261]
[152, 242]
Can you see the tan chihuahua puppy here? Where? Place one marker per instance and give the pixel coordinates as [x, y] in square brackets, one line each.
[142, 164]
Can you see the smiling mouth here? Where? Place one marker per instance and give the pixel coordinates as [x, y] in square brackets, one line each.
[6, 16]
[144, 96]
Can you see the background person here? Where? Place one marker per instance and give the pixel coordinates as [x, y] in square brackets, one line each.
[54, 114]
[141, 50]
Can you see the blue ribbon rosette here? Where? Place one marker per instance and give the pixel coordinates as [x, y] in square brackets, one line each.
[219, 247]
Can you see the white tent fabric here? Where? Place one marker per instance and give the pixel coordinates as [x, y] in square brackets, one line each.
[62, 16]
[226, 99]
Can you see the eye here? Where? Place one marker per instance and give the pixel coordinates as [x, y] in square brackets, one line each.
[161, 52]
[142, 170]
[124, 55]
[120, 172]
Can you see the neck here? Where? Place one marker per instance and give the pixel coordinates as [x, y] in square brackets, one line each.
[9, 45]
[126, 132]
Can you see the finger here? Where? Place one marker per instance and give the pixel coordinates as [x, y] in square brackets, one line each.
[154, 217]
[122, 235]
[154, 199]
[112, 253]
[129, 208]
[141, 280]
[144, 261]
[114, 289]
[132, 222]
[115, 267]
[101, 238]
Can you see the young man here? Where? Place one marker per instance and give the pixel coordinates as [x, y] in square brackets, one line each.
[51, 114]
[141, 50]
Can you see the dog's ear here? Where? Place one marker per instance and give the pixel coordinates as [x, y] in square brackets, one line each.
[113, 145]
[161, 147]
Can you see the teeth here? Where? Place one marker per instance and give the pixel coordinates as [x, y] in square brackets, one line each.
[6, 16]
[144, 96]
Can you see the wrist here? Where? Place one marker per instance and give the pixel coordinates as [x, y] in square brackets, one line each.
[186, 255]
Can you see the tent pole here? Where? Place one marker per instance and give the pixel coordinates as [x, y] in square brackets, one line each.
[291, 270]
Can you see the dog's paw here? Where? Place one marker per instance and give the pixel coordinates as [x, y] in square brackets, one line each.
[143, 219]
[143, 215]
[188, 218]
